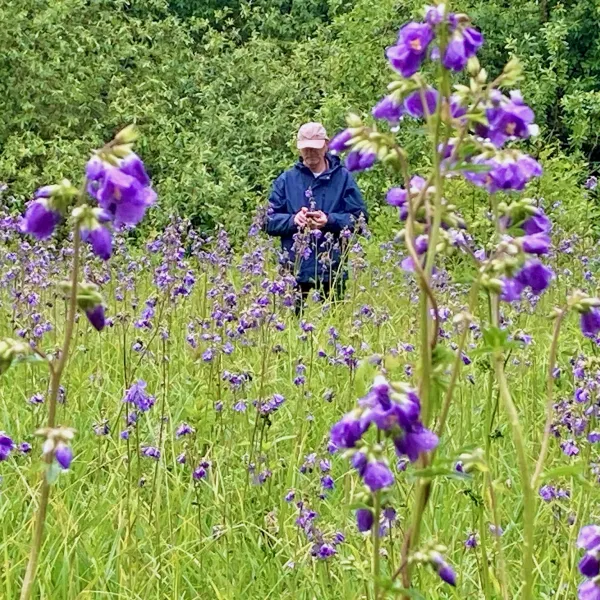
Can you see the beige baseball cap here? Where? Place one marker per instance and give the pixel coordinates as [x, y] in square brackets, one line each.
[312, 135]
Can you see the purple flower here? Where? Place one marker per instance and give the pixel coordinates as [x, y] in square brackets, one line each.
[591, 183]
[388, 109]
[547, 493]
[569, 448]
[446, 573]
[360, 160]
[414, 106]
[589, 566]
[100, 239]
[184, 429]
[63, 455]
[340, 141]
[326, 551]
[471, 541]
[347, 431]
[377, 475]
[364, 519]
[416, 440]
[25, 448]
[151, 452]
[96, 317]
[509, 119]
[535, 275]
[40, 221]
[538, 243]
[122, 191]
[589, 590]
[411, 48]
[327, 482]
[590, 322]
[137, 396]
[462, 45]
[6, 445]
[589, 537]
[396, 196]
[538, 223]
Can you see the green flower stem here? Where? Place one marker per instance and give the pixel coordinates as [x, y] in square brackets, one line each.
[528, 496]
[56, 374]
[549, 399]
[376, 542]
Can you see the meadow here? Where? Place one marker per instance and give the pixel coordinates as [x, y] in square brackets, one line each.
[172, 427]
[209, 332]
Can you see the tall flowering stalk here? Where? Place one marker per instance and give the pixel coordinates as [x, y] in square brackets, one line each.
[471, 129]
[115, 192]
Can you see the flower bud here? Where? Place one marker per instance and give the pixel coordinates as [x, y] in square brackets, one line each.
[353, 120]
[128, 135]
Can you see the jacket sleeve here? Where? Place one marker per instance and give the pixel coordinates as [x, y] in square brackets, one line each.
[354, 206]
[279, 221]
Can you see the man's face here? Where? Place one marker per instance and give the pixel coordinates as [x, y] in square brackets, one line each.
[313, 157]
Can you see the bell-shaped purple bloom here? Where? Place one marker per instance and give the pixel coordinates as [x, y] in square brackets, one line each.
[100, 239]
[64, 456]
[446, 573]
[509, 119]
[396, 196]
[132, 165]
[538, 223]
[364, 519]
[589, 537]
[388, 110]
[589, 566]
[6, 446]
[411, 48]
[340, 141]
[123, 196]
[535, 275]
[511, 290]
[40, 221]
[346, 432]
[538, 243]
[416, 440]
[359, 462]
[96, 317]
[360, 160]
[463, 44]
[590, 322]
[377, 475]
[414, 106]
[588, 590]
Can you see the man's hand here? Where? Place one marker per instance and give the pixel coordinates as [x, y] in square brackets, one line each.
[317, 219]
[300, 218]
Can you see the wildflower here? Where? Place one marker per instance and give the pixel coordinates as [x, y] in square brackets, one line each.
[137, 396]
[6, 446]
[415, 107]
[388, 109]
[411, 48]
[590, 322]
[471, 541]
[377, 475]
[463, 44]
[40, 220]
[24, 447]
[96, 317]
[63, 455]
[360, 160]
[123, 191]
[364, 519]
[151, 452]
[184, 429]
[340, 141]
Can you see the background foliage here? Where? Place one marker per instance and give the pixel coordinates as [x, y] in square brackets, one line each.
[219, 87]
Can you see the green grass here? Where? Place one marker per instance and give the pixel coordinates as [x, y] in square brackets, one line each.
[108, 537]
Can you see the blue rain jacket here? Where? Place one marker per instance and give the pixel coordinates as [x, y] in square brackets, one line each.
[335, 193]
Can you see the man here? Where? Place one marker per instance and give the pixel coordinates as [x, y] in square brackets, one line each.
[311, 204]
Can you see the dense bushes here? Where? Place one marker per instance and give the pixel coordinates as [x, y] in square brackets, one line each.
[219, 88]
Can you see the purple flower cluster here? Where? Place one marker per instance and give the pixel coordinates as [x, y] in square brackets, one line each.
[322, 548]
[589, 565]
[415, 40]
